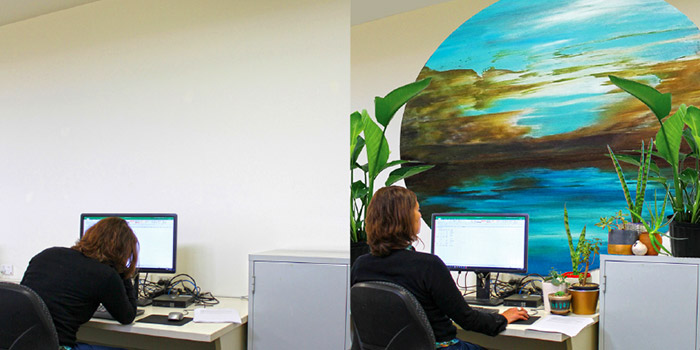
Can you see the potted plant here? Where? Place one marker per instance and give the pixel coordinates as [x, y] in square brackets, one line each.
[553, 283]
[657, 220]
[368, 141]
[559, 302]
[620, 240]
[582, 254]
[683, 186]
[584, 295]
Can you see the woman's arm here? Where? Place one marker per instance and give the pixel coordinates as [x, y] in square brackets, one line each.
[119, 298]
[450, 301]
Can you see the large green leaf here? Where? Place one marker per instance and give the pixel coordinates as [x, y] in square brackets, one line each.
[659, 103]
[668, 138]
[359, 145]
[358, 189]
[692, 119]
[404, 172]
[385, 107]
[377, 149]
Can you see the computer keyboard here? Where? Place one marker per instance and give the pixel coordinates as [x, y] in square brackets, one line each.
[102, 313]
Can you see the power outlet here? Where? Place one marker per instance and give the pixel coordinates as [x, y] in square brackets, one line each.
[7, 270]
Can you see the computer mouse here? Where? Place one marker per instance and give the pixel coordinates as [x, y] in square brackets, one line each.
[175, 316]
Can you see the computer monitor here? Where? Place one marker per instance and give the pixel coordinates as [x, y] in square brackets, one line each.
[157, 235]
[482, 243]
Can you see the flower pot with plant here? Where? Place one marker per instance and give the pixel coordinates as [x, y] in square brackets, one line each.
[584, 295]
[620, 240]
[368, 142]
[552, 283]
[559, 303]
[683, 187]
[652, 238]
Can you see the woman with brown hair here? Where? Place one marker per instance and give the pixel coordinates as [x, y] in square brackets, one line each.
[74, 281]
[392, 222]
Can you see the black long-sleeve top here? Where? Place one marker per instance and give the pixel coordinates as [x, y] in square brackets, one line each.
[73, 285]
[427, 277]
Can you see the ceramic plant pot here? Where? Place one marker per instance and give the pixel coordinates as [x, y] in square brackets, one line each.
[559, 305]
[644, 238]
[549, 288]
[621, 241]
[688, 244]
[584, 299]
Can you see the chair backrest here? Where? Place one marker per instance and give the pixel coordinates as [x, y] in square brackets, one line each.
[387, 316]
[25, 321]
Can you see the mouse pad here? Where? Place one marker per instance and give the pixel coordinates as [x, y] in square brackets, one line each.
[530, 320]
[163, 319]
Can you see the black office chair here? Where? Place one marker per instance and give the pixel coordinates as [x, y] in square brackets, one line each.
[25, 321]
[388, 317]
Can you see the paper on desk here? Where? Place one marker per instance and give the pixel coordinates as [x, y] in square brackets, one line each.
[203, 315]
[568, 325]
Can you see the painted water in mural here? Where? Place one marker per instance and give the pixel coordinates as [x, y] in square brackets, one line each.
[520, 110]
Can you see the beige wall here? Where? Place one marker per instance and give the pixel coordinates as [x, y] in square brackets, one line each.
[226, 112]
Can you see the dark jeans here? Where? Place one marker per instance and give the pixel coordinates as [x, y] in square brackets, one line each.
[462, 345]
[81, 346]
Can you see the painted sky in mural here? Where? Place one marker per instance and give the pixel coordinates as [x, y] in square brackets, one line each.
[520, 110]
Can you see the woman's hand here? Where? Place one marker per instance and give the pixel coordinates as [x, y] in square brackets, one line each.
[514, 314]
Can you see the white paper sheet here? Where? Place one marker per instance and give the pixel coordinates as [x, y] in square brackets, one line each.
[203, 315]
[569, 325]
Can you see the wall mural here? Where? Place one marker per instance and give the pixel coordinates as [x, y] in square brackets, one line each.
[520, 110]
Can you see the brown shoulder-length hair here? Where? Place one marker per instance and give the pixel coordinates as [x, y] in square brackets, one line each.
[111, 241]
[389, 220]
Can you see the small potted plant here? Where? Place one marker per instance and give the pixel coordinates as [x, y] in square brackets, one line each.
[620, 240]
[553, 283]
[652, 237]
[584, 295]
[559, 303]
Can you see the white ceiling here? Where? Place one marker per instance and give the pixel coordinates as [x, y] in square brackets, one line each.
[361, 10]
[18, 10]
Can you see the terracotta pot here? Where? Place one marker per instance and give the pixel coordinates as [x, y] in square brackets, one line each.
[584, 300]
[559, 305]
[644, 238]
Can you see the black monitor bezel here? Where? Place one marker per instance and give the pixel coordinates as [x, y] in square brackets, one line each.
[123, 215]
[484, 268]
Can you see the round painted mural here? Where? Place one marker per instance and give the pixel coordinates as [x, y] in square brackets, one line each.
[520, 110]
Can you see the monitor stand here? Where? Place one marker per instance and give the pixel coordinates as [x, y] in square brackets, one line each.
[483, 291]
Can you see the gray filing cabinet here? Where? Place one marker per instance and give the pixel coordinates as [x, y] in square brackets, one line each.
[649, 302]
[298, 300]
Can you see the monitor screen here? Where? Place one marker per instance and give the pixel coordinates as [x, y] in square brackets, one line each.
[481, 242]
[157, 235]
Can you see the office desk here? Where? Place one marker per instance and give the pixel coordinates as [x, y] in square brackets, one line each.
[517, 337]
[150, 336]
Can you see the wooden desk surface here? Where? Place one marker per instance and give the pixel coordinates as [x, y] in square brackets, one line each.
[517, 336]
[198, 332]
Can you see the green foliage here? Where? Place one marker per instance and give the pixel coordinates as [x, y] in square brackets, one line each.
[555, 278]
[574, 251]
[608, 222]
[560, 293]
[644, 163]
[587, 252]
[657, 220]
[368, 135]
[683, 186]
